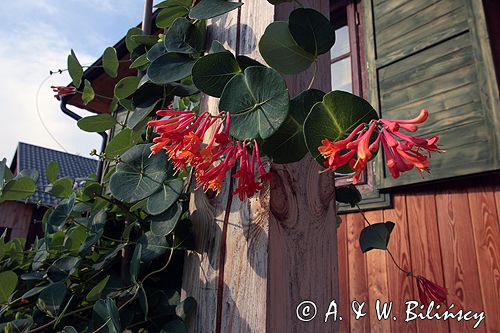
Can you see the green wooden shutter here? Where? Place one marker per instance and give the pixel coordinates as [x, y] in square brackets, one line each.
[435, 54]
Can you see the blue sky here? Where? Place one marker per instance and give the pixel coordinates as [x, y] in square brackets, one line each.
[36, 37]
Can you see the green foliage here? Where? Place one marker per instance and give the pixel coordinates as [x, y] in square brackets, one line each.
[51, 171]
[170, 67]
[348, 194]
[257, 101]
[206, 9]
[212, 72]
[8, 286]
[98, 123]
[88, 93]
[281, 52]
[110, 62]
[75, 69]
[311, 30]
[183, 37]
[126, 87]
[375, 236]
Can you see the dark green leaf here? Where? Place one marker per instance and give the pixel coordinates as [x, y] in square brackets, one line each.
[5, 173]
[140, 61]
[153, 246]
[217, 47]
[181, 90]
[170, 3]
[281, 52]
[60, 214]
[75, 69]
[244, 62]
[168, 15]
[206, 9]
[145, 40]
[126, 86]
[52, 171]
[69, 329]
[287, 145]
[175, 326]
[139, 175]
[164, 224]
[62, 188]
[17, 189]
[375, 236]
[212, 72]
[311, 30]
[143, 301]
[62, 268]
[140, 114]
[348, 194]
[170, 67]
[97, 123]
[333, 118]
[156, 51]
[135, 263]
[95, 293]
[257, 101]
[33, 291]
[110, 62]
[131, 44]
[183, 37]
[161, 200]
[122, 142]
[52, 298]
[8, 286]
[106, 313]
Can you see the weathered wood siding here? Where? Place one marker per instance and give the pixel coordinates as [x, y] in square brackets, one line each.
[436, 54]
[448, 233]
[16, 216]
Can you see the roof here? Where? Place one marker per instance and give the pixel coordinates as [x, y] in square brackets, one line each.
[34, 157]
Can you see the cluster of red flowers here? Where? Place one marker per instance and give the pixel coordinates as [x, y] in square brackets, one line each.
[402, 151]
[62, 91]
[183, 135]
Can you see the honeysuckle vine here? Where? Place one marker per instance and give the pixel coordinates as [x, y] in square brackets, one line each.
[107, 237]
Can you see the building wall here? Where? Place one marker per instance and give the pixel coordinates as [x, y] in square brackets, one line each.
[17, 217]
[448, 233]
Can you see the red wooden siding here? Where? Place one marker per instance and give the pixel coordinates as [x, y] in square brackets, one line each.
[449, 233]
[16, 216]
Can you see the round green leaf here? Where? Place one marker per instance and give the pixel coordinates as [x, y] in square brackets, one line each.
[97, 123]
[140, 61]
[287, 145]
[52, 171]
[95, 293]
[126, 86]
[375, 236]
[156, 51]
[129, 43]
[62, 268]
[139, 175]
[8, 286]
[257, 101]
[17, 189]
[244, 62]
[183, 37]
[88, 93]
[333, 118]
[52, 297]
[146, 40]
[168, 15]
[174, 326]
[206, 9]
[75, 69]
[281, 52]
[212, 72]
[164, 224]
[153, 246]
[170, 3]
[348, 194]
[139, 114]
[60, 214]
[62, 188]
[122, 142]
[311, 30]
[170, 67]
[106, 314]
[165, 197]
[110, 62]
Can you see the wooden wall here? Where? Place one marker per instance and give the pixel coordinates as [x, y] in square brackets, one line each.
[449, 233]
[16, 216]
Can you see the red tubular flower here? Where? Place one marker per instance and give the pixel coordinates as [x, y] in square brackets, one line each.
[403, 152]
[62, 91]
[430, 291]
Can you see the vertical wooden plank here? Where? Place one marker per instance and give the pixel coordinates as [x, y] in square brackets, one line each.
[201, 267]
[400, 286]
[459, 260]
[425, 248]
[302, 228]
[377, 280]
[344, 299]
[486, 232]
[358, 275]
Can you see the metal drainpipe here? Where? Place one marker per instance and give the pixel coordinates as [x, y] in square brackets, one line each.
[104, 135]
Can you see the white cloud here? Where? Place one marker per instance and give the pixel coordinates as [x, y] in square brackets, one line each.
[26, 56]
